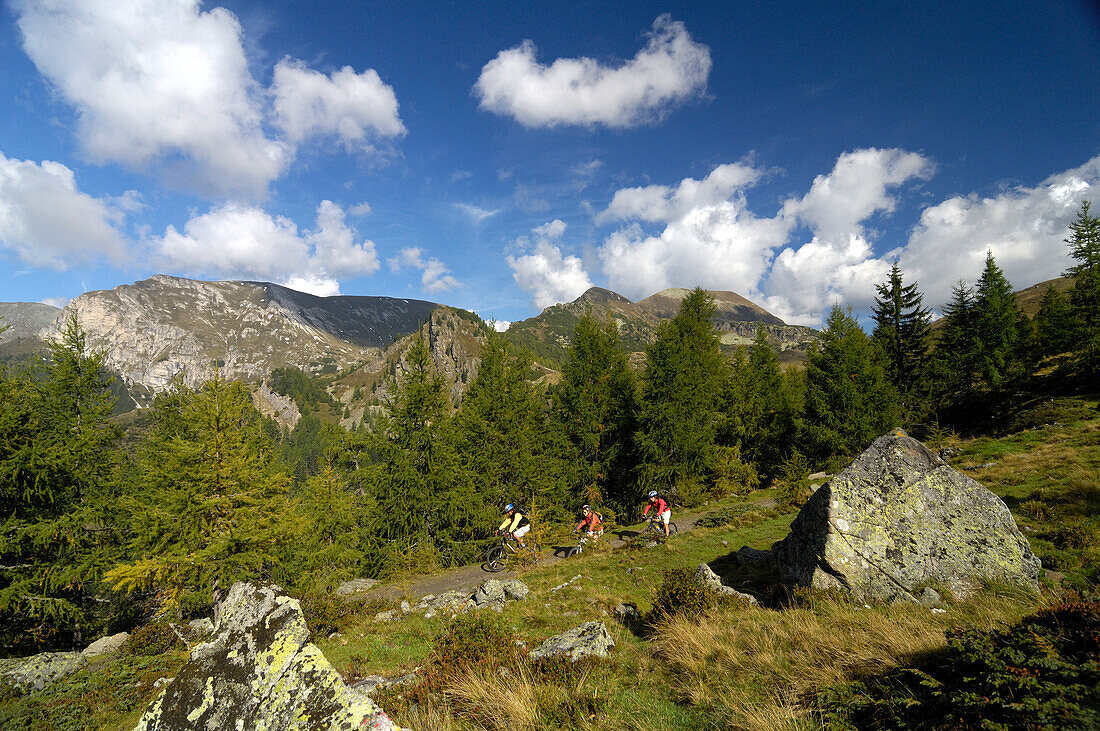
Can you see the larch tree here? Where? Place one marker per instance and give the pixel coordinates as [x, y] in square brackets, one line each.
[901, 327]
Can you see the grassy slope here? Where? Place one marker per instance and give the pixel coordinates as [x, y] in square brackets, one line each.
[737, 668]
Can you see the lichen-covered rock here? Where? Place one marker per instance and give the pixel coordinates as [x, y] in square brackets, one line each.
[258, 672]
[454, 601]
[898, 517]
[591, 639]
[497, 591]
[105, 645]
[34, 673]
[706, 574]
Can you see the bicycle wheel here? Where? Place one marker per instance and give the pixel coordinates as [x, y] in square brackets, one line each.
[495, 559]
[672, 528]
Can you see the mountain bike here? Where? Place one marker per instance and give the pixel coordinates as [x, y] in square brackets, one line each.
[653, 530]
[498, 557]
[581, 543]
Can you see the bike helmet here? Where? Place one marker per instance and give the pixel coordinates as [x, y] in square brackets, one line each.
[585, 507]
[508, 507]
[653, 493]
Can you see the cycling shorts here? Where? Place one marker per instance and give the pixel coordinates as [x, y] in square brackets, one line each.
[521, 531]
[666, 516]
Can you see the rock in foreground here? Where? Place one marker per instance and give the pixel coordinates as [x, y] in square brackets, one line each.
[35, 673]
[590, 639]
[258, 672]
[898, 517]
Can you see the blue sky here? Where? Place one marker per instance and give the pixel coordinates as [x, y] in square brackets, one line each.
[504, 156]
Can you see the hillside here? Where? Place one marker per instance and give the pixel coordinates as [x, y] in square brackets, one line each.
[25, 319]
[736, 318]
[163, 327]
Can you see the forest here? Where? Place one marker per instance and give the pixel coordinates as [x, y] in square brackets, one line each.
[102, 529]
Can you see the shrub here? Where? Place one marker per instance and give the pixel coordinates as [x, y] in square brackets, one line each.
[326, 613]
[472, 641]
[155, 638]
[1044, 672]
[681, 593]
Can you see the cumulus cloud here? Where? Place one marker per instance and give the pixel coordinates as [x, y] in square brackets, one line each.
[544, 271]
[434, 277]
[838, 264]
[710, 238]
[165, 87]
[353, 108]
[239, 241]
[501, 325]
[580, 91]
[46, 221]
[360, 209]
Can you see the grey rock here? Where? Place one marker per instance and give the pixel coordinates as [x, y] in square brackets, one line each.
[105, 645]
[259, 671]
[706, 574]
[818, 476]
[35, 673]
[355, 586]
[498, 591]
[405, 607]
[388, 616]
[627, 613]
[930, 597]
[898, 517]
[371, 683]
[591, 639]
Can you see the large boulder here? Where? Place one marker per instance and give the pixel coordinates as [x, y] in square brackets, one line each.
[258, 672]
[35, 673]
[591, 639]
[898, 517]
[105, 645]
[706, 575]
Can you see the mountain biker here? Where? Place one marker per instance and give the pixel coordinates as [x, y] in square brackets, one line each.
[663, 511]
[515, 522]
[591, 522]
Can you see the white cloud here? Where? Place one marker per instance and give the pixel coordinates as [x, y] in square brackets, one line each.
[435, 276]
[239, 241]
[165, 87]
[360, 209]
[46, 221]
[1024, 227]
[353, 108]
[710, 238]
[580, 91]
[157, 85]
[58, 302]
[475, 213]
[544, 272]
[501, 325]
[661, 203]
[838, 264]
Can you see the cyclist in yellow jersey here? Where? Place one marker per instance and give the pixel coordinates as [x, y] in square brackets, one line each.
[516, 523]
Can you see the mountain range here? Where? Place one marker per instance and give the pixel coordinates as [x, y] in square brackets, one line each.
[163, 328]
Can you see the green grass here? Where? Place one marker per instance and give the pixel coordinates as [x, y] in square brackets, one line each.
[737, 667]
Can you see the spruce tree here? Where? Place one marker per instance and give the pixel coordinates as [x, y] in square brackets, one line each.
[901, 329]
[596, 405]
[956, 345]
[766, 407]
[999, 349]
[56, 493]
[683, 384]
[1084, 242]
[849, 398]
[213, 500]
[1055, 327]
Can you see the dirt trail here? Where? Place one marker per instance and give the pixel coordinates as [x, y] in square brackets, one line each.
[467, 578]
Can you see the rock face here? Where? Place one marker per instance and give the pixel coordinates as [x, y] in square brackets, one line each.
[898, 517]
[590, 639]
[30, 674]
[258, 672]
[25, 319]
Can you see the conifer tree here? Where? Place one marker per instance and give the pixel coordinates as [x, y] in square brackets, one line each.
[901, 329]
[999, 349]
[596, 405]
[956, 345]
[764, 405]
[212, 500]
[683, 383]
[1084, 242]
[56, 490]
[849, 398]
[1055, 328]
